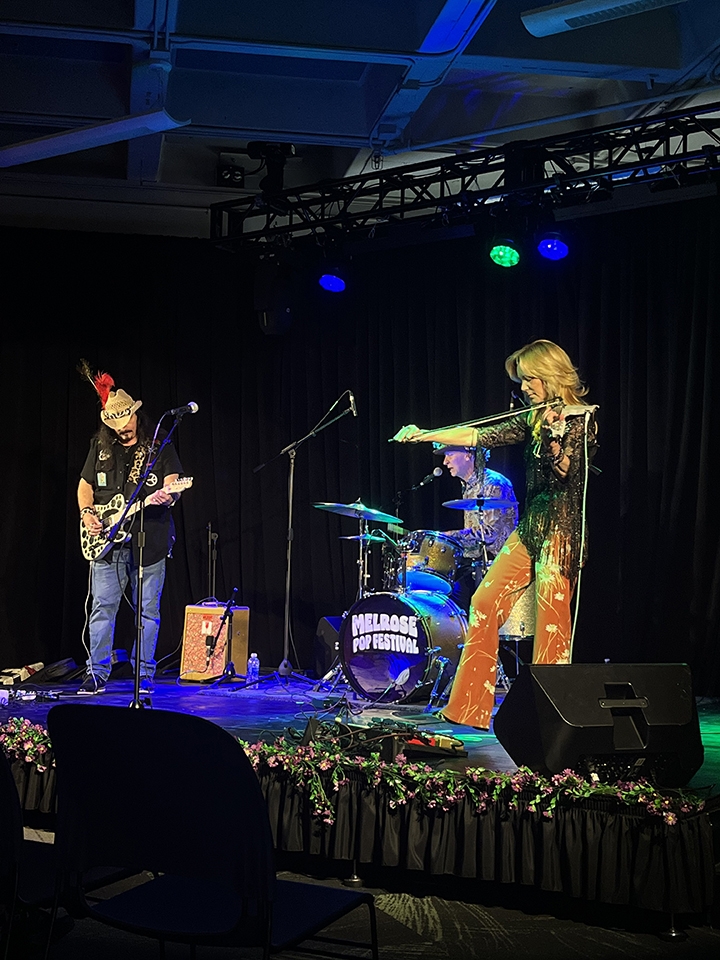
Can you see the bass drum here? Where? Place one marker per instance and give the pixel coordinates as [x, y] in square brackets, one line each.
[389, 641]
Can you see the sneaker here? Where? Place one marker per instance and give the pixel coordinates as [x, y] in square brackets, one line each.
[147, 686]
[91, 685]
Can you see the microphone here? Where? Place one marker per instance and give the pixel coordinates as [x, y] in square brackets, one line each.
[352, 403]
[191, 407]
[437, 472]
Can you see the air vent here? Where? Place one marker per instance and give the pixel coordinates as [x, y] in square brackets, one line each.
[574, 14]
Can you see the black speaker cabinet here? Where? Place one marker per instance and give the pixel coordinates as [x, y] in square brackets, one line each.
[325, 647]
[617, 720]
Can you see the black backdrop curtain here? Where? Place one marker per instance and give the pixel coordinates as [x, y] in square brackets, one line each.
[420, 336]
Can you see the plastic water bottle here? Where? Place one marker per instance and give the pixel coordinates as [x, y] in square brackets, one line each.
[253, 668]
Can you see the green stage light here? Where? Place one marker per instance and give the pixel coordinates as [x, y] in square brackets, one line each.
[504, 253]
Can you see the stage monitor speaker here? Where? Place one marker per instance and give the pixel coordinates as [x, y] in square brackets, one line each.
[619, 721]
[326, 645]
[202, 622]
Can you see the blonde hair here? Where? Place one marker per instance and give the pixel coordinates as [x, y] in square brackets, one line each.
[548, 362]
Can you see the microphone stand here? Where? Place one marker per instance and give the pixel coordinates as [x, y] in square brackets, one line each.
[229, 671]
[136, 702]
[212, 560]
[285, 671]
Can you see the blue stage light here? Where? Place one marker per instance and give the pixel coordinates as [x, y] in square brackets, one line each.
[552, 247]
[332, 282]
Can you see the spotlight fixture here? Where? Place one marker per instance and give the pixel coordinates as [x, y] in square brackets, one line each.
[274, 157]
[504, 252]
[552, 246]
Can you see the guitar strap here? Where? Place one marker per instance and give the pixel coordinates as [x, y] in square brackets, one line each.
[140, 454]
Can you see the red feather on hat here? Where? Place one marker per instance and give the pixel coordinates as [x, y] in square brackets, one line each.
[103, 383]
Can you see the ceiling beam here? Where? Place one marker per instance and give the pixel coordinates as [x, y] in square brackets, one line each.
[84, 138]
[454, 27]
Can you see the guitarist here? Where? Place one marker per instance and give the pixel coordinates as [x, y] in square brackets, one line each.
[117, 457]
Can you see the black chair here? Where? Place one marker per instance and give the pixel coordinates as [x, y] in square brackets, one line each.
[27, 867]
[174, 795]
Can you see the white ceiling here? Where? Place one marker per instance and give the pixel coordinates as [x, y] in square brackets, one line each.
[349, 83]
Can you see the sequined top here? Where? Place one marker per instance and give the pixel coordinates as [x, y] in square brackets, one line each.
[551, 525]
[492, 527]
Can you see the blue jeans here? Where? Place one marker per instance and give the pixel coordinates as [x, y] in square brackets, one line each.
[108, 582]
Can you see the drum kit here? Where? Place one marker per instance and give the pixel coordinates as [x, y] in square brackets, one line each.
[402, 644]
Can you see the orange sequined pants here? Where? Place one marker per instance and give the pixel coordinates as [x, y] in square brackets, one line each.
[473, 691]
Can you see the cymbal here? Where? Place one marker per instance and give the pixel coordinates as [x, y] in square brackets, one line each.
[481, 503]
[359, 511]
[365, 538]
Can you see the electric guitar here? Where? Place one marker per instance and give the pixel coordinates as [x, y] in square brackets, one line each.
[95, 546]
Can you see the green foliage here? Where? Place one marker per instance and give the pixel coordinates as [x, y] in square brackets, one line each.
[322, 770]
[22, 740]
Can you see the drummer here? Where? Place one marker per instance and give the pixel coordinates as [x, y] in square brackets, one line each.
[485, 531]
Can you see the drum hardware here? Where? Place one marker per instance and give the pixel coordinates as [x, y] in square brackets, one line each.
[363, 515]
[481, 503]
[364, 538]
[439, 695]
[328, 682]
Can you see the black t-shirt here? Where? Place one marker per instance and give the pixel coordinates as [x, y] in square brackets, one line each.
[113, 471]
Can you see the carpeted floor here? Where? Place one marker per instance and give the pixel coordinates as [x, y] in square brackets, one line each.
[435, 918]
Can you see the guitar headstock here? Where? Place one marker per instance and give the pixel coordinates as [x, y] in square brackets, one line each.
[182, 483]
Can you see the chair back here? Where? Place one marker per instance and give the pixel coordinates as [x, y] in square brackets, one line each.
[161, 791]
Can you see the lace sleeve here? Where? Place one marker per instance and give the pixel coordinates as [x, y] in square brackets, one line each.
[573, 442]
[503, 434]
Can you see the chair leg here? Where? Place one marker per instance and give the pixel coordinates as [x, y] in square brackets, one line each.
[53, 918]
[7, 934]
[373, 932]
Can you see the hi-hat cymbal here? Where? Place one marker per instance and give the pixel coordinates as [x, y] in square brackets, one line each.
[481, 503]
[365, 538]
[359, 511]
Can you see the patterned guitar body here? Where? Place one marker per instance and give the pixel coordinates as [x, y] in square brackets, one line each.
[95, 547]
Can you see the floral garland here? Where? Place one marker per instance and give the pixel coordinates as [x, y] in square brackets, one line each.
[323, 769]
[22, 740]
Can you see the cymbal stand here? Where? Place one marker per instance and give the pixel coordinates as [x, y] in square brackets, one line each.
[363, 563]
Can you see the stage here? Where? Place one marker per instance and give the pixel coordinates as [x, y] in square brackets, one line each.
[595, 848]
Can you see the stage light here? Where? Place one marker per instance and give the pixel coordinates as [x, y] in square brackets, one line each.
[332, 281]
[504, 253]
[552, 246]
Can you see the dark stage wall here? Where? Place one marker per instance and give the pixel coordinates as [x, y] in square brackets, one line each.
[421, 337]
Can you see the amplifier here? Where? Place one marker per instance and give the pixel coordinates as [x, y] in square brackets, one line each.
[201, 626]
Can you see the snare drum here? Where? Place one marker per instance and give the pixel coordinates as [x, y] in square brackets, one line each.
[388, 642]
[433, 560]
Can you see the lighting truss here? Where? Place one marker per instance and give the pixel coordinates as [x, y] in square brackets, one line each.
[679, 147]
